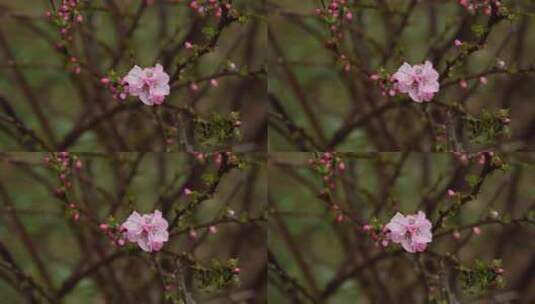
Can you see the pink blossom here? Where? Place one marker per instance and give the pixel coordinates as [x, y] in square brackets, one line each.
[149, 231]
[420, 81]
[151, 85]
[413, 231]
[458, 42]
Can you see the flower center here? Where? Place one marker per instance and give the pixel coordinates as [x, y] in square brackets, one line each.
[147, 228]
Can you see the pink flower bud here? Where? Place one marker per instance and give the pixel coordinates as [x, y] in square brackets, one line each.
[76, 216]
[236, 270]
[214, 82]
[212, 229]
[463, 84]
[187, 192]
[104, 80]
[476, 230]
[456, 234]
[483, 80]
[103, 227]
[451, 193]
[188, 45]
[367, 227]
[193, 234]
[120, 242]
[458, 42]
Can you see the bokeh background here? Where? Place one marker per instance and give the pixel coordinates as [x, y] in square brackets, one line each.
[313, 248]
[67, 99]
[308, 79]
[31, 216]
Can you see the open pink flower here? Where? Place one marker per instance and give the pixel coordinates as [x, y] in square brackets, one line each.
[420, 81]
[151, 85]
[149, 231]
[413, 231]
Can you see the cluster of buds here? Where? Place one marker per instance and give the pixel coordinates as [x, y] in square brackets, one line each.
[385, 82]
[335, 15]
[464, 157]
[75, 65]
[217, 157]
[496, 265]
[65, 17]
[210, 7]
[74, 212]
[171, 133]
[63, 163]
[480, 5]
[231, 158]
[114, 232]
[340, 217]
[115, 85]
[328, 164]
[378, 233]
[200, 157]
[336, 12]
[345, 63]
